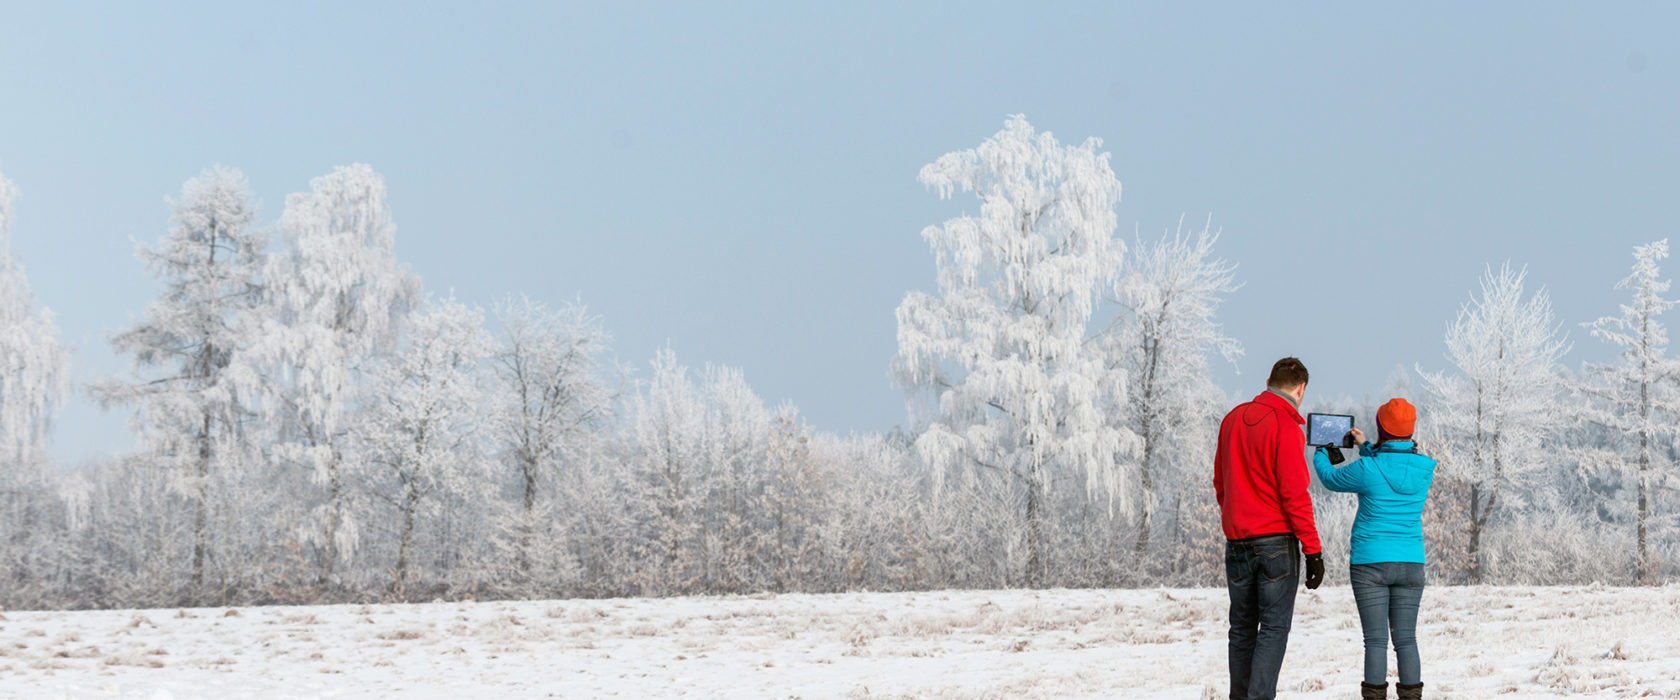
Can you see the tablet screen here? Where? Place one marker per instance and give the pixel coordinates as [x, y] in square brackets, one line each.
[1327, 428]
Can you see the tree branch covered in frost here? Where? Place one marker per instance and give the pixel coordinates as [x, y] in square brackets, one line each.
[1000, 352]
[554, 403]
[1492, 417]
[1636, 399]
[34, 375]
[187, 387]
[337, 298]
[420, 433]
[34, 368]
[1168, 293]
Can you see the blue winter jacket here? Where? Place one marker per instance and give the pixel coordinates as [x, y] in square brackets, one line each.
[1392, 481]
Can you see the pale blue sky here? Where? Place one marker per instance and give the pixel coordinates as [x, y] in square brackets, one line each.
[738, 179]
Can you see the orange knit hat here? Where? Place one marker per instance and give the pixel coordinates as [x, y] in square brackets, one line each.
[1397, 418]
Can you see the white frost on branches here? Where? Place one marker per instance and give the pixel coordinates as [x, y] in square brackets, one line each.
[187, 384]
[337, 297]
[420, 430]
[1494, 414]
[1637, 398]
[34, 368]
[1169, 293]
[553, 401]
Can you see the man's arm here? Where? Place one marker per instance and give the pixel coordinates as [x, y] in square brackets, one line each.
[1219, 458]
[1291, 461]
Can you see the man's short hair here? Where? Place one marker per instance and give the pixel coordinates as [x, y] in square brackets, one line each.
[1288, 372]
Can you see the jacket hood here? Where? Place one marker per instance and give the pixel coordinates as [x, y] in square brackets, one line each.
[1255, 413]
[1406, 472]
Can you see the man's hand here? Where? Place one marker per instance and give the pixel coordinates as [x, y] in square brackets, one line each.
[1358, 436]
[1315, 570]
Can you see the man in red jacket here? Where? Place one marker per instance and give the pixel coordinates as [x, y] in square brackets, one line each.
[1260, 478]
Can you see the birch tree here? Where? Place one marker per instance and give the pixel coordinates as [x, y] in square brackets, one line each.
[1495, 411]
[338, 296]
[187, 388]
[1637, 398]
[1169, 291]
[995, 366]
[34, 371]
[34, 368]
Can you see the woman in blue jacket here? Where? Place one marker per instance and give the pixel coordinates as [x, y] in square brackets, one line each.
[1386, 566]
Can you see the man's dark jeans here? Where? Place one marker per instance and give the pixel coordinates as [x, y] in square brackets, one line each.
[1388, 595]
[1262, 573]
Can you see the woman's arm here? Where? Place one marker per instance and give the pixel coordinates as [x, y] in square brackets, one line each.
[1346, 479]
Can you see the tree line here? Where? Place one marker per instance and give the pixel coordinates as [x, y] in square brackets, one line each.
[316, 426]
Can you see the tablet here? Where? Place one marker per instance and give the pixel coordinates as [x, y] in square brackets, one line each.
[1327, 428]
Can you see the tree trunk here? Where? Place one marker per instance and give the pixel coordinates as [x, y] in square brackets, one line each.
[1146, 429]
[200, 524]
[530, 470]
[1035, 535]
[1146, 484]
[410, 501]
[1643, 572]
[1479, 513]
[1475, 552]
[781, 544]
[1647, 572]
[335, 514]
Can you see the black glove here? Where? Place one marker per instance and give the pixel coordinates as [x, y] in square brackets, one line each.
[1315, 570]
[1334, 452]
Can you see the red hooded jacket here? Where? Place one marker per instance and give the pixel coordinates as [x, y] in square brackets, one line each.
[1260, 472]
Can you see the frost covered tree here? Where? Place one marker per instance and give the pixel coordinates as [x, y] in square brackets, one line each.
[337, 296]
[34, 368]
[33, 378]
[1161, 339]
[731, 479]
[666, 437]
[1495, 411]
[554, 401]
[1637, 398]
[187, 389]
[996, 366]
[793, 501]
[420, 428]
[878, 536]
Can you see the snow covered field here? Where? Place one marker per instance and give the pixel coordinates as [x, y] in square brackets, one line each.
[1476, 642]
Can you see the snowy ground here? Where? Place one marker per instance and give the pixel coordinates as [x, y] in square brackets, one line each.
[1476, 643]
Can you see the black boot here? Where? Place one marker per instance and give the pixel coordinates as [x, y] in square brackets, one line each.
[1410, 692]
[1373, 692]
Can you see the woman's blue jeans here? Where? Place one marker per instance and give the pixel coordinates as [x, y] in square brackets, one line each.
[1388, 595]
